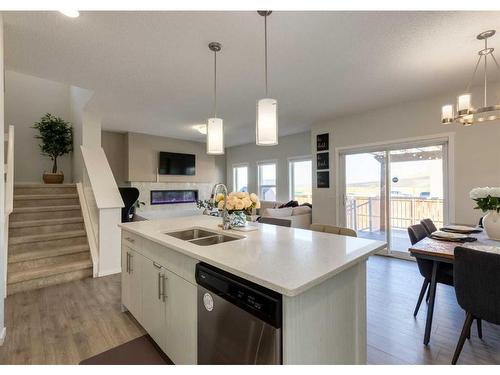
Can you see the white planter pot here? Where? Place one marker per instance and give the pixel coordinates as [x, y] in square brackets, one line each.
[491, 224]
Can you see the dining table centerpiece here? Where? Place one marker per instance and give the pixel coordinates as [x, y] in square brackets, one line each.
[488, 200]
[239, 205]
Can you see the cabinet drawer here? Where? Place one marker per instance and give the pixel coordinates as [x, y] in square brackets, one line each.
[172, 260]
[131, 240]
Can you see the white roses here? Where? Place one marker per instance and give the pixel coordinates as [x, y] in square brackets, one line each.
[238, 201]
[484, 192]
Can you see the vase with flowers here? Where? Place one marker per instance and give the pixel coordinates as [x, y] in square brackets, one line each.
[488, 200]
[239, 205]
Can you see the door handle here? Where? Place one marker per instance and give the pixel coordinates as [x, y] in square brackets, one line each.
[130, 263]
[127, 263]
[157, 265]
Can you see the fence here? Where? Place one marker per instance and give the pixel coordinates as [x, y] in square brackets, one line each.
[364, 213]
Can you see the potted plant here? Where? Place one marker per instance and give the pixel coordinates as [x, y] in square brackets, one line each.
[136, 205]
[56, 137]
[207, 205]
[488, 200]
[238, 204]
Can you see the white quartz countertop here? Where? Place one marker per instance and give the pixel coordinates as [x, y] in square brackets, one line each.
[286, 260]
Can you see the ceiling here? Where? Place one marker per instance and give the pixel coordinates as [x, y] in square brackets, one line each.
[152, 72]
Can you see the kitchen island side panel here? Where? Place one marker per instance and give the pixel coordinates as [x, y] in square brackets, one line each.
[327, 323]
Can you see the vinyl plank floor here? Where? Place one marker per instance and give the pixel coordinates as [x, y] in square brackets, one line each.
[396, 337]
[67, 323]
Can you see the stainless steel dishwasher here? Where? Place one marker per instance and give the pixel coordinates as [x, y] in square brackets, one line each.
[239, 322]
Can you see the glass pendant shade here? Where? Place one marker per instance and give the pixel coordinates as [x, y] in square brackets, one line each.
[447, 114]
[267, 122]
[463, 104]
[215, 136]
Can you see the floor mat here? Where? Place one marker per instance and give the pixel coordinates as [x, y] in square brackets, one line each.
[140, 351]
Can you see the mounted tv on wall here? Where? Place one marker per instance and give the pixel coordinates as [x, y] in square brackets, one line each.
[172, 163]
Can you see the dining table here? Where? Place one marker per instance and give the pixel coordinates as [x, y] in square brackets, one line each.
[441, 251]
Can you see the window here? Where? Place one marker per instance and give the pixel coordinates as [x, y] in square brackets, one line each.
[267, 181]
[240, 178]
[301, 180]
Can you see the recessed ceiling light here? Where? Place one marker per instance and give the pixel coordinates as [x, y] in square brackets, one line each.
[202, 128]
[70, 13]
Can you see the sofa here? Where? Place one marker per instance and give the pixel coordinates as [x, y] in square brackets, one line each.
[295, 217]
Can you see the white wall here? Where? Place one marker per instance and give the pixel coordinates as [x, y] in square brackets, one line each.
[27, 99]
[476, 151]
[2, 192]
[78, 99]
[288, 147]
[115, 146]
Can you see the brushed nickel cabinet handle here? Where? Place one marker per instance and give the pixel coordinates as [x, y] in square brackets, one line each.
[131, 240]
[127, 263]
[164, 292]
[157, 265]
[159, 285]
[130, 263]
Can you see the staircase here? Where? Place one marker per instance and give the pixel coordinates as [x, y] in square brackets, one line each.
[47, 239]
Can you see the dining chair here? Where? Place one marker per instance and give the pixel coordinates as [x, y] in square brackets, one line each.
[444, 273]
[428, 225]
[333, 229]
[477, 286]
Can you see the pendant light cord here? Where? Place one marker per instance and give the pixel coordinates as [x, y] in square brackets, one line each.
[485, 73]
[265, 50]
[215, 84]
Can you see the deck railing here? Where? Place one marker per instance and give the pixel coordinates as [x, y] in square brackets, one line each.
[364, 213]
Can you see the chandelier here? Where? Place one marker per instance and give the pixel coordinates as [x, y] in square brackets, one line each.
[466, 114]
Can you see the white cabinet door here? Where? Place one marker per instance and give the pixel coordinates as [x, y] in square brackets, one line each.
[181, 316]
[153, 304]
[132, 282]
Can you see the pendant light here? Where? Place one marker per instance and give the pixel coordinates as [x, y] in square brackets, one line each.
[266, 129]
[215, 126]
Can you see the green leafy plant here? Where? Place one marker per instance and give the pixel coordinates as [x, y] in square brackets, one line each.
[56, 137]
[487, 198]
[139, 203]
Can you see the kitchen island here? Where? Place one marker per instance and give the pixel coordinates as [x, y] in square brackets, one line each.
[321, 277]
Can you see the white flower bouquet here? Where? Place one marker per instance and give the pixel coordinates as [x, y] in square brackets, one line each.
[238, 201]
[487, 198]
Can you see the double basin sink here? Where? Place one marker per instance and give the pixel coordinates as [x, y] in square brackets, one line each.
[202, 237]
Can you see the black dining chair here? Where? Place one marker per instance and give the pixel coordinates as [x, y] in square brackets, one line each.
[444, 273]
[428, 225]
[477, 286]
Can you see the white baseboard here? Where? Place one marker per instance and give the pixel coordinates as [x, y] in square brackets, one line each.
[3, 332]
[109, 272]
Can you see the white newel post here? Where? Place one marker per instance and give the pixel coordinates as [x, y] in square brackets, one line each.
[109, 241]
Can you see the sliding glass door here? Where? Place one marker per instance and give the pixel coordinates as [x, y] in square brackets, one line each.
[387, 189]
[364, 199]
[416, 190]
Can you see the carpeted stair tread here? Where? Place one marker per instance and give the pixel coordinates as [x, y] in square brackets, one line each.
[19, 210]
[21, 256]
[46, 271]
[46, 237]
[44, 196]
[42, 222]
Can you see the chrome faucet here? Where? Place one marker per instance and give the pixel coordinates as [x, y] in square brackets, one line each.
[225, 216]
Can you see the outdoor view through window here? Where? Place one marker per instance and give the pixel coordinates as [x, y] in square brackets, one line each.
[300, 181]
[415, 192]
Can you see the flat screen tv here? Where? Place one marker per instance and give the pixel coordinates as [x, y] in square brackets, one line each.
[177, 164]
